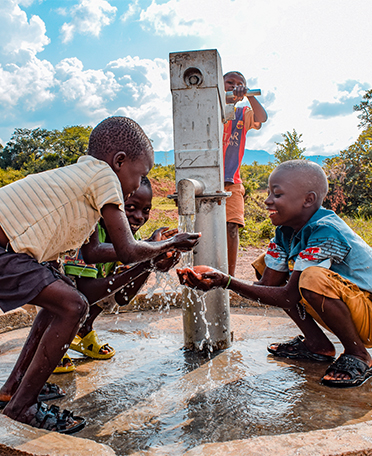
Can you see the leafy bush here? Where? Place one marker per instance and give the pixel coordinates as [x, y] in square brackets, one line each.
[10, 175]
[350, 178]
[258, 228]
[255, 176]
[162, 173]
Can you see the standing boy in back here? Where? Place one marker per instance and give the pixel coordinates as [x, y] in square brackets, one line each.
[317, 269]
[47, 214]
[234, 136]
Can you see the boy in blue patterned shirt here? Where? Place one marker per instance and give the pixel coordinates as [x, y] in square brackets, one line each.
[317, 270]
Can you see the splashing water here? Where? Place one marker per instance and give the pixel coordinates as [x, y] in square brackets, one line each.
[186, 224]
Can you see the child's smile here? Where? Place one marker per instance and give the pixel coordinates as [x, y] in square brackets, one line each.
[138, 207]
[286, 200]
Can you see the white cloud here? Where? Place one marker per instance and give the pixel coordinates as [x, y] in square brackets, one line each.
[25, 81]
[20, 37]
[298, 52]
[132, 10]
[88, 90]
[30, 83]
[176, 18]
[145, 92]
[88, 18]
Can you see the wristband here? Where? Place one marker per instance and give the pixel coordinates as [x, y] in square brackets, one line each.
[228, 283]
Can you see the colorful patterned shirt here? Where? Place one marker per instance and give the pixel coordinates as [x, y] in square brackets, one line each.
[325, 241]
[234, 133]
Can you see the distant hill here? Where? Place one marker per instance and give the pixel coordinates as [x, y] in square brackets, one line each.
[260, 156]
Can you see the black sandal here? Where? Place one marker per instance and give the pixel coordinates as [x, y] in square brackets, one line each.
[358, 370]
[48, 392]
[51, 419]
[296, 349]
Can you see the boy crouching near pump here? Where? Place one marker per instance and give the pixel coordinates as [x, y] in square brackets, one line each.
[317, 269]
[47, 214]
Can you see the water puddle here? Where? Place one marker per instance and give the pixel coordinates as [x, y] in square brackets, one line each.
[153, 394]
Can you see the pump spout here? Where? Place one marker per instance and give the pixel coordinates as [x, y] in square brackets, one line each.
[187, 190]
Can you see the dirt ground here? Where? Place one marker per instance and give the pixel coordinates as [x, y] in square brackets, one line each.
[244, 269]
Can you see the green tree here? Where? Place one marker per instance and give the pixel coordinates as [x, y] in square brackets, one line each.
[255, 176]
[37, 150]
[71, 143]
[289, 149]
[365, 110]
[25, 146]
[350, 178]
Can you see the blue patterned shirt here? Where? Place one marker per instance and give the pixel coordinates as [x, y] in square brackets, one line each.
[325, 241]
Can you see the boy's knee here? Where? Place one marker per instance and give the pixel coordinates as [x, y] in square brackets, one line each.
[77, 308]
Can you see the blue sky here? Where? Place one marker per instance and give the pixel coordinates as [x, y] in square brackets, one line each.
[75, 62]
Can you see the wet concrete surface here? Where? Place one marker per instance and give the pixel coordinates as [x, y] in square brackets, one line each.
[153, 397]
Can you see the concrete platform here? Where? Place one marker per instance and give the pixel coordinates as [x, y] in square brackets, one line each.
[153, 398]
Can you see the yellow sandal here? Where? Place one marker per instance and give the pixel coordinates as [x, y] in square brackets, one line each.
[90, 345]
[65, 365]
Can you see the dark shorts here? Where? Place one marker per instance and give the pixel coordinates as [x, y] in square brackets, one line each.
[22, 278]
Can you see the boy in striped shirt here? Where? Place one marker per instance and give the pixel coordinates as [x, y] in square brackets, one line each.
[47, 214]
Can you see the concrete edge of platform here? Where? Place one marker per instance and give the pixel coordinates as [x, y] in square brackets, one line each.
[348, 440]
[17, 439]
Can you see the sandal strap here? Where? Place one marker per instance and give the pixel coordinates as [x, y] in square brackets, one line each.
[348, 364]
[45, 418]
[51, 419]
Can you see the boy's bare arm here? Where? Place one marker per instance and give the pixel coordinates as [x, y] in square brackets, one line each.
[128, 250]
[260, 114]
[278, 296]
[98, 252]
[272, 278]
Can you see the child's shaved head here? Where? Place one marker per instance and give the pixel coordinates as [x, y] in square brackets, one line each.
[237, 73]
[119, 134]
[310, 176]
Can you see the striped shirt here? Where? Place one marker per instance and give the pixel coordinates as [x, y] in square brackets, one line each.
[47, 214]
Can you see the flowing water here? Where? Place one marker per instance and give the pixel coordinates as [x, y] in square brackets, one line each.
[154, 395]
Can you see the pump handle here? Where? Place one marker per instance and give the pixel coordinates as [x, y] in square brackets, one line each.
[250, 93]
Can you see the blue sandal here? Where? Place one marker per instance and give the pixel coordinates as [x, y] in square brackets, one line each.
[51, 419]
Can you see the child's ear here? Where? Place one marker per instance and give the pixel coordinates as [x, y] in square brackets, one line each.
[310, 199]
[118, 160]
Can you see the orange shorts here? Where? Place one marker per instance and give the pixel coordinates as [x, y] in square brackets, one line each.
[331, 285]
[235, 203]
